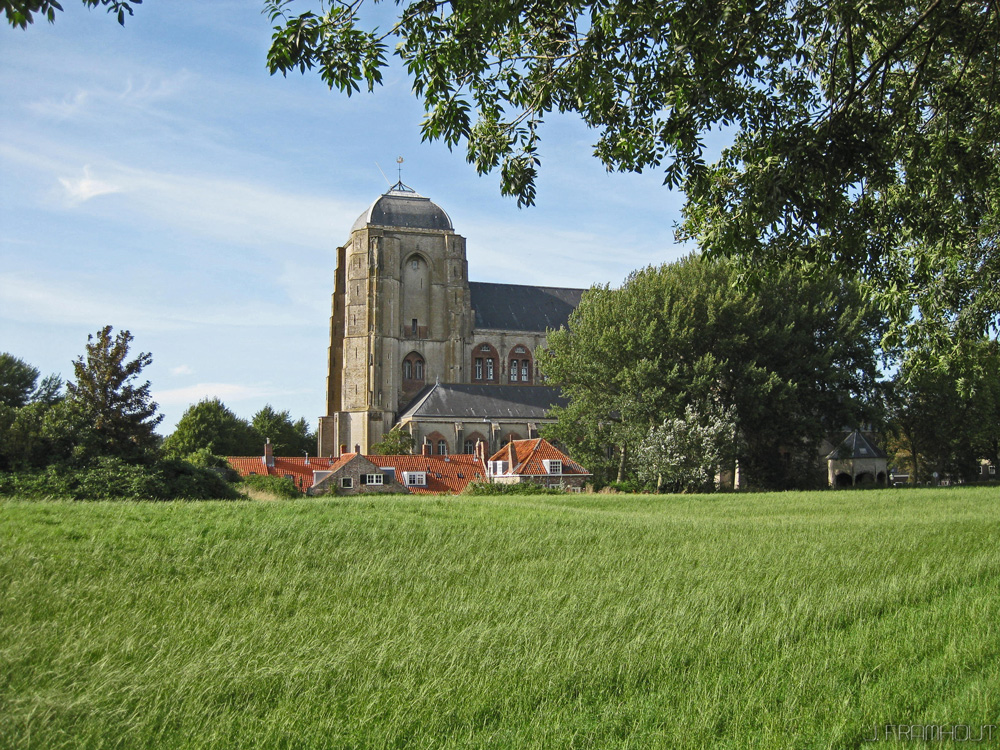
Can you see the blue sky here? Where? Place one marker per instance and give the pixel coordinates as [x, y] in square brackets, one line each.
[156, 178]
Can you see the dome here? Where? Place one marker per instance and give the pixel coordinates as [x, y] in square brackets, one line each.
[401, 206]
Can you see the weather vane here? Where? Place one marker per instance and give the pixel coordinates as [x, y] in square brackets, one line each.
[399, 168]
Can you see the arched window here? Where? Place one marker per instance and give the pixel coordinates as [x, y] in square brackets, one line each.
[442, 448]
[413, 368]
[521, 367]
[486, 364]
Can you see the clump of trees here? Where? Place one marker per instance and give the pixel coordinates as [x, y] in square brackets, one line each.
[210, 425]
[662, 370]
[97, 440]
[396, 442]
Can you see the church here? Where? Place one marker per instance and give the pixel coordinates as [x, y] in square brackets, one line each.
[413, 342]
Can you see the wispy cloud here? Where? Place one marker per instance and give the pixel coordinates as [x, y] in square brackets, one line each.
[80, 189]
[223, 391]
[181, 370]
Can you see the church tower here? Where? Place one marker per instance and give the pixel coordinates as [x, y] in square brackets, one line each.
[401, 317]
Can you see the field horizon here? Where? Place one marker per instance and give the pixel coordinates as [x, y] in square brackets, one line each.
[772, 620]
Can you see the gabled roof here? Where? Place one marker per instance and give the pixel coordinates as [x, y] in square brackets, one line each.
[467, 401]
[856, 446]
[525, 458]
[300, 469]
[512, 307]
[445, 474]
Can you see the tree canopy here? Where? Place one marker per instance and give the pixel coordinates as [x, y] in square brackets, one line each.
[858, 134]
[210, 425]
[793, 356]
[21, 13]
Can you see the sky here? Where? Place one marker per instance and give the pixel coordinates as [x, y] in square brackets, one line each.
[156, 178]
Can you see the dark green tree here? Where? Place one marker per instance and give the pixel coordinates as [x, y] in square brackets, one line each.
[107, 392]
[287, 438]
[209, 425]
[396, 442]
[17, 380]
[794, 356]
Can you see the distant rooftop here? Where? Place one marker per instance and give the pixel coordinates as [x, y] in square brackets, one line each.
[402, 206]
[512, 307]
[468, 402]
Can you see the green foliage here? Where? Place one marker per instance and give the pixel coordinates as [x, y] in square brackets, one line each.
[500, 488]
[278, 486]
[209, 425]
[20, 13]
[792, 355]
[287, 438]
[396, 442]
[17, 380]
[862, 135]
[769, 622]
[945, 417]
[111, 478]
[108, 394]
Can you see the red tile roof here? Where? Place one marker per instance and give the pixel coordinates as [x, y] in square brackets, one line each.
[525, 458]
[442, 471]
[299, 469]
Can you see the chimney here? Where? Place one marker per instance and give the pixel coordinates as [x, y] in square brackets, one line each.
[268, 454]
[425, 449]
[481, 452]
[357, 448]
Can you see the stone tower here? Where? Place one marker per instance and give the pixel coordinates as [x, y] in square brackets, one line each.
[401, 317]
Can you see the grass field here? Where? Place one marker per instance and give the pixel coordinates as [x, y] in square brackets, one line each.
[798, 620]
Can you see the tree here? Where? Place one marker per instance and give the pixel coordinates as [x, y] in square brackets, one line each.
[794, 356]
[396, 442]
[684, 453]
[209, 425]
[17, 380]
[107, 392]
[20, 13]
[862, 135]
[287, 437]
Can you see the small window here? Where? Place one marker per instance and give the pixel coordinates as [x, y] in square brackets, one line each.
[519, 350]
[479, 368]
[414, 323]
[993, 470]
[442, 448]
[470, 446]
[553, 466]
[484, 348]
[513, 371]
[408, 370]
[418, 369]
[372, 478]
[347, 482]
[524, 371]
[489, 369]
[415, 478]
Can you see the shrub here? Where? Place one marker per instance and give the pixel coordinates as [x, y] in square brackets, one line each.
[278, 486]
[491, 488]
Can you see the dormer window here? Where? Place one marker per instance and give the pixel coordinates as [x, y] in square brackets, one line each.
[553, 466]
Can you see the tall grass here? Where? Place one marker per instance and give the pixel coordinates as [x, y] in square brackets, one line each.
[794, 620]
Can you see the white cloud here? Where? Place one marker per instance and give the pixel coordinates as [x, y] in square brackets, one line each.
[84, 188]
[192, 394]
[181, 370]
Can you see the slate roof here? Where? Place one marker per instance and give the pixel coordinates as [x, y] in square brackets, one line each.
[468, 401]
[856, 445]
[400, 206]
[525, 458]
[442, 471]
[512, 307]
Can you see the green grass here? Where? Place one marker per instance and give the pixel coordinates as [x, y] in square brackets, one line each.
[798, 620]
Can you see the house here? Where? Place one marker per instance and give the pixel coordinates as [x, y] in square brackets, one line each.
[857, 461]
[536, 461]
[359, 474]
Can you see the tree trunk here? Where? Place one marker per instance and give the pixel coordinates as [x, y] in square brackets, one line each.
[621, 464]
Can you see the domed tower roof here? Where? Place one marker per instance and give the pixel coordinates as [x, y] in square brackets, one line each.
[402, 206]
